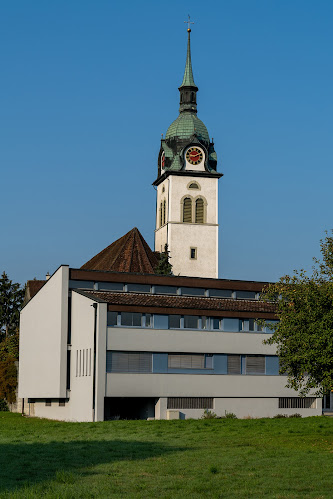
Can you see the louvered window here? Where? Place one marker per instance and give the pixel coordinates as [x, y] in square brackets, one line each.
[164, 212]
[187, 210]
[234, 364]
[128, 362]
[186, 361]
[297, 403]
[199, 211]
[190, 403]
[255, 364]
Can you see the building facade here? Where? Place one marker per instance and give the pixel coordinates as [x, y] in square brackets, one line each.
[115, 340]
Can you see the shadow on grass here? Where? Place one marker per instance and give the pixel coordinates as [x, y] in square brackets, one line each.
[27, 464]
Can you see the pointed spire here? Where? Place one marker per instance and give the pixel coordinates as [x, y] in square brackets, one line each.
[188, 80]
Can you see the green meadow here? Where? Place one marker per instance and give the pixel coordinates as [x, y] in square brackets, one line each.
[278, 458]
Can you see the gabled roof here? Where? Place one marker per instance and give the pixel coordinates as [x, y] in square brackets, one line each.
[31, 289]
[130, 253]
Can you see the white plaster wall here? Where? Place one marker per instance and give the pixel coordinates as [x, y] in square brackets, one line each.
[81, 392]
[178, 340]
[254, 388]
[43, 340]
[182, 237]
[243, 408]
[40, 410]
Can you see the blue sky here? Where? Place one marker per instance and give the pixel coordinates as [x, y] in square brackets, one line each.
[88, 87]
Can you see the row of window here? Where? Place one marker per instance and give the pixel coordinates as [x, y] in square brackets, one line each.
[157, 321]
[142, 362]
[164, 290]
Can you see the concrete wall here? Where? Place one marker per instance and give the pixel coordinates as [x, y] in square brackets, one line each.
[242, 407]
[193, 341]
[43, 340]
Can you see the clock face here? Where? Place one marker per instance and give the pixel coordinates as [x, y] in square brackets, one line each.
[194, 155]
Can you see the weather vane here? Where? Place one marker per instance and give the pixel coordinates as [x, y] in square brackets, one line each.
[189, 22]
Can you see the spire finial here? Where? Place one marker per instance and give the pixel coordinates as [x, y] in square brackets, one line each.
[189, 22]
[188, 80]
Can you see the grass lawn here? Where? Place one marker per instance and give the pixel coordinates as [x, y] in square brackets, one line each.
[280, 458]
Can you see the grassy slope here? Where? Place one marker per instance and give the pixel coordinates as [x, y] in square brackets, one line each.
[281, 458]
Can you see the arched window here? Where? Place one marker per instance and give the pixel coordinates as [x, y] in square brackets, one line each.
[199, 211]
[187, 210]
[164, 212]
[193, 185]
[161, 215]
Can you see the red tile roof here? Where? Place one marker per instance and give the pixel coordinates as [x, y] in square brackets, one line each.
[182, 302]
[130, 253]
[32, 288]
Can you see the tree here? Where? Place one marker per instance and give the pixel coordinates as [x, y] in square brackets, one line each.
[304, 333]
[11, 299]
[164, 266]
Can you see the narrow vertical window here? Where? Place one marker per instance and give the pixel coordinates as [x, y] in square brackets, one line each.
[89, 361]
[187, 210]
[161, 215]
[80, 363]
[199, 211]
[164, 212]
[77, 363]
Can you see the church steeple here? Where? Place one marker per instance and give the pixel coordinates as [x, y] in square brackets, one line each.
[188, 89]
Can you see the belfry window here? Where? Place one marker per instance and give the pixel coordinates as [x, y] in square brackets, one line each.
[161, 214]
[199, 211]
[187, 210]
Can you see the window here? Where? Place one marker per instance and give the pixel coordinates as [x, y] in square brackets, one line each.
[166, 290]
[220, 293]
[68, 371]
[164, 212]
[186, 361]
[250, 325]
[149, 321]
[193, 185]
[128, 362]
[138, 288]
[193, 253]
[190, 403]
[112, 318]
[255, 364]
[62, 402]
[297, 403]
[234, 364]
[48, 402]
[187, 210]
[193, 292]
[161, 215]
[174, 321]
[110, 286]
[199, 211]
[215, 322]
[130, 319]
[246, 295]
[191, 321]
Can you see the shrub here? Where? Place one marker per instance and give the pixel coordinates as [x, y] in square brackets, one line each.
[229, 415]
[209, 415]
[277, 416]
[296, 415]
[3, 405]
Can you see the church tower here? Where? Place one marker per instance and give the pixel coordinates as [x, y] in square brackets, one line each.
[187, 188]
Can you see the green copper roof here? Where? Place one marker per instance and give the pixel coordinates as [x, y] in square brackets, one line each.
[188, 80]
[186, 125]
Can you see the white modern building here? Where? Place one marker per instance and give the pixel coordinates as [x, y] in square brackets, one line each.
[115, 340]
